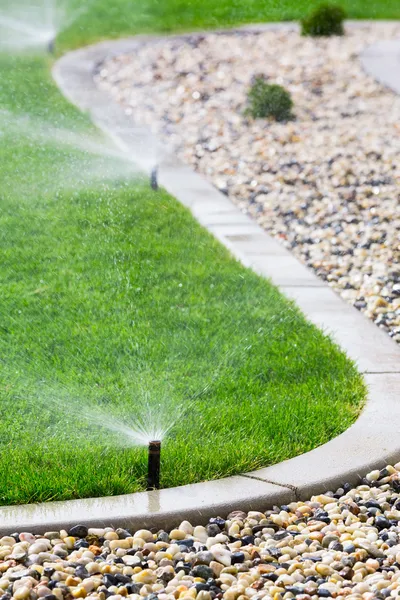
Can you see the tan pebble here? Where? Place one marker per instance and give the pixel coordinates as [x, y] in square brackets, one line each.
[186, 527]
[6, 552]
[229, 570]
[105, 569]
[88, 585]
[323, 570]
[24, 581]
[216, 567]
[22, 593]
[200, 533]
[27, 537]
[4, 583]
[284, 558]
[277, 520]
[113, 589]
[38, 547]
[234, 529]
[111, 535]
[285, 580]
[145, 576]
[191, 593]
[222, 555]
[73, 581]
[373, 475]
[254, 514]
[145, 535]
[361, 588]
[42, 590]
[230, 594]
[69, 541]
[7, 541]
[322, 499]
[177, 534]
[96, 531]
[274, 589]
[227, 578]
[125, 544]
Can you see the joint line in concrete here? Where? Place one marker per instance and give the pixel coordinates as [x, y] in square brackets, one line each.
[284, 485]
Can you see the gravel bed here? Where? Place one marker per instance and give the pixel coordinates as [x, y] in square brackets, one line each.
[341, 544]
[325, 183]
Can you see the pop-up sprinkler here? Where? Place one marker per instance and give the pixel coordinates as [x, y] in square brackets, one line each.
[154, 178]
[153, 471]
[51, 46]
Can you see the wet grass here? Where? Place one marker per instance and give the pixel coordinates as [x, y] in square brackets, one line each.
[113, 297]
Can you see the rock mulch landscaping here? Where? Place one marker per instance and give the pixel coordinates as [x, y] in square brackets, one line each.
[339, 544]
[325, 183]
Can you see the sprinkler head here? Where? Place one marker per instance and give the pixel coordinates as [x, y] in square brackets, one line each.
[154, 178]
[51, 46]
[153, 471]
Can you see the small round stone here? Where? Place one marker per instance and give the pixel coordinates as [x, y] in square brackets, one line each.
[79, 531]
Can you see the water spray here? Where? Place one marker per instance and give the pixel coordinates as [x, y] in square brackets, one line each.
[154, 178]
[153, 471]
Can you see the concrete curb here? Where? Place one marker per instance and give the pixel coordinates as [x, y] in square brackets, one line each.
[371, 442]
[382, 61]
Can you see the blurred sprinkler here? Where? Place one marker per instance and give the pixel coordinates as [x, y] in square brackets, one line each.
[51, 47]
[29, 24]
[154, 178]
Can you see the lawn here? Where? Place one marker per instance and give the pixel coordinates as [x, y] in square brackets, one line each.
[117, 306]
[106, 19]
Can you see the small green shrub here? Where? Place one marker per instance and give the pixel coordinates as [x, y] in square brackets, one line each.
[269, 100]
[326, 20]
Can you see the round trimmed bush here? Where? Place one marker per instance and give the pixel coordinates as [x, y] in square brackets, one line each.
[326, 20]
[269, 100]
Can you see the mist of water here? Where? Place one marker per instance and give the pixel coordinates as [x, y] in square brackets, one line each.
[149, 419]
[86, 157]
[42, 132]
[151, 415]
[34, 25]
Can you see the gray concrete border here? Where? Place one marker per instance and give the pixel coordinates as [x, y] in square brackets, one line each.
[382, 61]
[371, 442]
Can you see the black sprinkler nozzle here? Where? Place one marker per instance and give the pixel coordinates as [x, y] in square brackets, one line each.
[153, 471]
[154, 179]
[51, 46]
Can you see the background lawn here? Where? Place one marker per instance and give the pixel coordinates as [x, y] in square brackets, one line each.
[116, 305]
[107, 19]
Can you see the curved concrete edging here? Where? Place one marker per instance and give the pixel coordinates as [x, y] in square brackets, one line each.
[371, 442]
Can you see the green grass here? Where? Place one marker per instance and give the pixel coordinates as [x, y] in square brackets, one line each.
[113, 297]
[123, 17]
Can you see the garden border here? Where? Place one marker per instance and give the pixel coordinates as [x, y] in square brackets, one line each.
[371, 442]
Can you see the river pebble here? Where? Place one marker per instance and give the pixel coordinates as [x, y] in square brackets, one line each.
[325, 184]
[341, 544]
